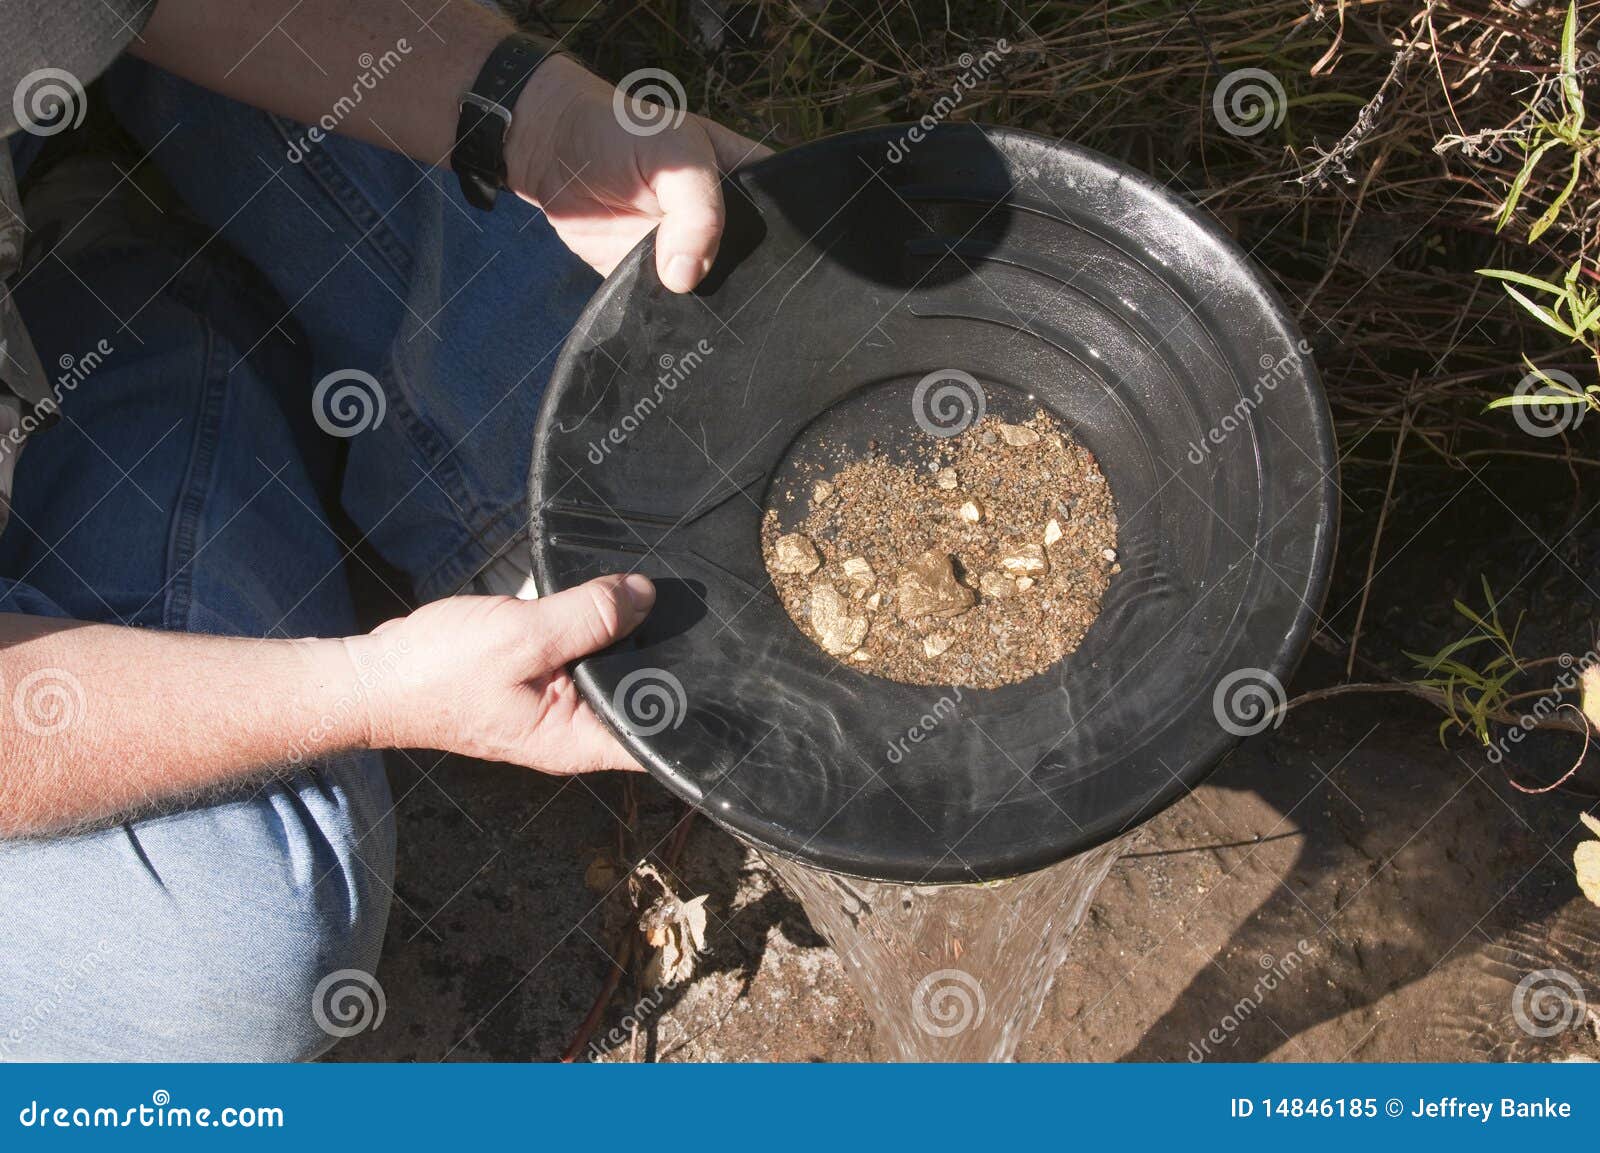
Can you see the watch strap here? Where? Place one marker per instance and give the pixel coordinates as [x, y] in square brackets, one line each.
[479, 156]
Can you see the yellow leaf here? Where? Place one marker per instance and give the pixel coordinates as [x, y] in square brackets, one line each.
[1594, 825]
[1587, 861]
[1591, 695]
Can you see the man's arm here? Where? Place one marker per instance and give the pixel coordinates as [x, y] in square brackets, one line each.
[100, 721]
[602, 183]
[304, 60]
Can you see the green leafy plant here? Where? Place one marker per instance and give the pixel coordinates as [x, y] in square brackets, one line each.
[1574, 312]
[1547, 134]
[1472, 696]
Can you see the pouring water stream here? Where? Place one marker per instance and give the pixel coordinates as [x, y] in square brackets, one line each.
[953, 972]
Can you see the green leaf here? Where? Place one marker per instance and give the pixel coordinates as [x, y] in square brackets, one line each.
[1522, 279]
[1542, 314]
[1532, 399]
[1569, 66]
[1548, 217]
[1521, 182]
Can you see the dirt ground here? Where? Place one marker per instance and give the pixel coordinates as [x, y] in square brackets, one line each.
[1423, 886]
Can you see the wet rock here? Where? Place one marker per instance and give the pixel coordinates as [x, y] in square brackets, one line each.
[928, 588]
[1017, 436]
[997, 586]
[858, 571]
[794, 554]
[838, 631]
[1028, 560]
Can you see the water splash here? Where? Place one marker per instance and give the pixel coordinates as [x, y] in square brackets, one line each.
[953, 972]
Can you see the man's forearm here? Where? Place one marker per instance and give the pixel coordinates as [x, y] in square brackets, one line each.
[369, 68]
[100, 720]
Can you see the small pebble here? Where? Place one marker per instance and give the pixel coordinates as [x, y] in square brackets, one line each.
[796, 555]
[1017, 436]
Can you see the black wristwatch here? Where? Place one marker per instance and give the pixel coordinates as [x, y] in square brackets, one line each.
[479, 156]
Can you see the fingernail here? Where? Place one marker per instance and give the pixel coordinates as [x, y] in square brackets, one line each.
[641, 593]
[683, 272]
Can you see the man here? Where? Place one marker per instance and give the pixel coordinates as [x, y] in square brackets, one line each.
[195, 828]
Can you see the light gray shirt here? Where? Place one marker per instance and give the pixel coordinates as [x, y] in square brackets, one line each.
[50, 50]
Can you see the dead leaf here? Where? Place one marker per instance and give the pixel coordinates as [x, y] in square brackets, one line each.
[601, 875]
[1587, 862]
[1591, 695]
[677, 931]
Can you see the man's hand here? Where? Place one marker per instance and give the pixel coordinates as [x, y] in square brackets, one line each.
[604, 187]
[486, 676]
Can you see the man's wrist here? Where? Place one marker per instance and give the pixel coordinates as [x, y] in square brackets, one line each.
[536, 123]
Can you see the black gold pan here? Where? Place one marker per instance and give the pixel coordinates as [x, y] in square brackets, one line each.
[855, 269]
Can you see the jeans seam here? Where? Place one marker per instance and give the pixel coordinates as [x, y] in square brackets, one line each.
[195, 491]
[479, 525]
[346, 194]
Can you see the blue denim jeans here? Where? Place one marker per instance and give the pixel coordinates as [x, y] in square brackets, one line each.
[189, 487]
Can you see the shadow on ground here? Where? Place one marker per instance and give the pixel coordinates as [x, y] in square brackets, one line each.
[1346, 887]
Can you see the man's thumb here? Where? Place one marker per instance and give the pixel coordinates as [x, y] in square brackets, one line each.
[578, 621]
